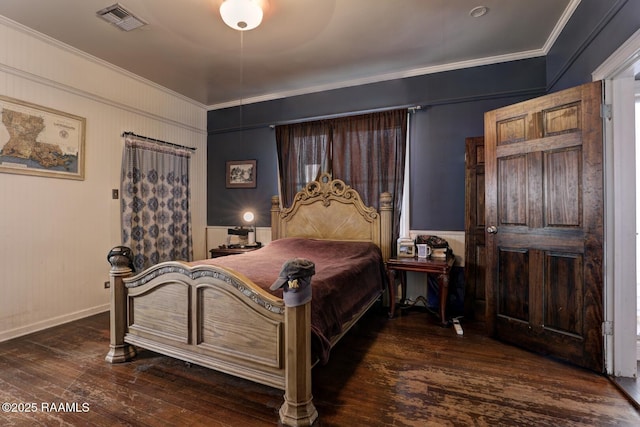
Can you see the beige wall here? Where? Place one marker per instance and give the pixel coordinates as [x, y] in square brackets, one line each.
[55, 233]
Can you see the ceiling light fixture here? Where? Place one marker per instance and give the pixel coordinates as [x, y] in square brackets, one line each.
[241, 15]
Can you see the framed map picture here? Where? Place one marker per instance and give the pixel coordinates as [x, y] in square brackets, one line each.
[241, 174]
[40, 141]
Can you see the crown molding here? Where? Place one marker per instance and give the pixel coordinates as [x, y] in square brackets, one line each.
[415, 72]
[557, 30]
[420, 71]
[88, 95]
[621, 60]
[60, 45]
[566, 15]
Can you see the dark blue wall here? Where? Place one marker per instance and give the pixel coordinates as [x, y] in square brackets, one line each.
[453, 103]
[437, 160]
[596, 29]
[224, 206]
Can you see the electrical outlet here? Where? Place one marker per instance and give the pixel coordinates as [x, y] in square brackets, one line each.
[107, 284]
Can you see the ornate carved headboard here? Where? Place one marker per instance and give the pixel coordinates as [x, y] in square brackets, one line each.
[331, 210]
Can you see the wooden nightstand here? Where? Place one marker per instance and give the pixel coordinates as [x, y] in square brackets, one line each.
[224, 251]
[439, 266]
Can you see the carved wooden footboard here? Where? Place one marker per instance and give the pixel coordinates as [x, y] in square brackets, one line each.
[208, 316]
[220, 319]
[217, 319]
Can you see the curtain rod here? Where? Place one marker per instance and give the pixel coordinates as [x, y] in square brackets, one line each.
[159, 141]
[411, 109]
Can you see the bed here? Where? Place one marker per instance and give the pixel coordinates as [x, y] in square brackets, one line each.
[221, 313]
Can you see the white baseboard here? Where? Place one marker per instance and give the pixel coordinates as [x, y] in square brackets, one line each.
[49, 323]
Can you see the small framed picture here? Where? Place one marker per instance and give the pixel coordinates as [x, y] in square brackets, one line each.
[241, 174]
[406, 248]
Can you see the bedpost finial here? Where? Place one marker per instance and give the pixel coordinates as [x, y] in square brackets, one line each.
[275, 202]
[120, 258]
[385, 200]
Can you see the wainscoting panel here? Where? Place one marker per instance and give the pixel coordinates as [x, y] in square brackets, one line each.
[56, 233]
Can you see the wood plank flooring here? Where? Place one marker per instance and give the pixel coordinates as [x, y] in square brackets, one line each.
[406, 371]
[630, 387]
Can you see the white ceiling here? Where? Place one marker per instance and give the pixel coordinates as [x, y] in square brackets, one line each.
[301, 46]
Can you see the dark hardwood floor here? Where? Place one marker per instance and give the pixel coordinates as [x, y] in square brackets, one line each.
[630, 387]
[407, 371]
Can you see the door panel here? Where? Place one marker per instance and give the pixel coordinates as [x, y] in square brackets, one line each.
[563, 279]
[513, 190]
[561, 119]
[544, 194]
[475, 253]
[511, 130]
[562, 184]
[513, 297]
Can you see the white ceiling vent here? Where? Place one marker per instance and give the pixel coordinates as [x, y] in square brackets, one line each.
[121, 17]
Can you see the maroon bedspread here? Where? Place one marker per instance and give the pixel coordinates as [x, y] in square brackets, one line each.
[348, 276]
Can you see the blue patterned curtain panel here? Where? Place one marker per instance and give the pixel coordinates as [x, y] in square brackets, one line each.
[156, 221]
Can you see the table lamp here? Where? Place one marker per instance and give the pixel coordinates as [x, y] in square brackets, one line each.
[249, 219]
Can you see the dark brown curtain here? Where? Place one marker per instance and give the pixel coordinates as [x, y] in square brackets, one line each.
[366, 151]
[301, 146]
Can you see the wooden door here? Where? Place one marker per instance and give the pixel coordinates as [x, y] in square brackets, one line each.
[475, 254]
[544, 201]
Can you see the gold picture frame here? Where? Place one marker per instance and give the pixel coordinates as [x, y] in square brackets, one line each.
[242, 174]
[40, 141]
[406, 248]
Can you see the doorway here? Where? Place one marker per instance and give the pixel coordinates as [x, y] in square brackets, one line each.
[637, 123]
[621, 307]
